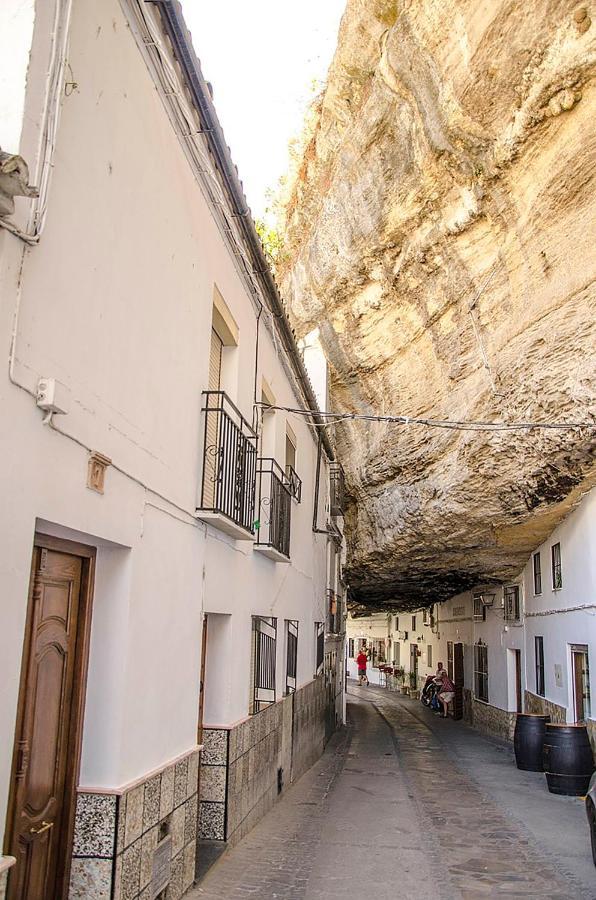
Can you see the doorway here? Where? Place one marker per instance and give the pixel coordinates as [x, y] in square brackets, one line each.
[514, 680]
[48, 735]
[414, 664]
[580, 668]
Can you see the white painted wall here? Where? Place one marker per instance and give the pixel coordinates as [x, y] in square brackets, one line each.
[115, 303]
[17, 18]
[568, 615]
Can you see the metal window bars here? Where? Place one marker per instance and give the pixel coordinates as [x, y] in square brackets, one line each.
[337, 489]
[294, 483]
[291, 655]
[333, 612]
[264, 643]
[274, 509]
[481, 671]
[511, 604]
[556, 566]
[229, 461]
[319, 647]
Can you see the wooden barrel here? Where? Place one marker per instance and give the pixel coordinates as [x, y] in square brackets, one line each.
[567, 759]
[528, 740]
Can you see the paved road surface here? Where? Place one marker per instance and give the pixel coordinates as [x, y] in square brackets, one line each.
[404, 805]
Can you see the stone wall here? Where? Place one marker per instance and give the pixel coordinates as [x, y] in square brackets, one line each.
[493, 720]
[117, 833]
[543, 707]
[244, 768]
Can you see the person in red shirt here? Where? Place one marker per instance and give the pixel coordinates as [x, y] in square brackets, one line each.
[361, 662]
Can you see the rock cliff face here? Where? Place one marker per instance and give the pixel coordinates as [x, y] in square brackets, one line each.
[440, 232]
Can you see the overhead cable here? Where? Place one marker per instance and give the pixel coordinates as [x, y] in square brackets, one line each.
[334, 417]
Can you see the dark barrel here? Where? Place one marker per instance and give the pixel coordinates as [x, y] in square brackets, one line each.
[567, 759]
[528, 740]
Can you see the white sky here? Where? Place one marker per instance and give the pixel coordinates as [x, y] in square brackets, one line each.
[261, 58]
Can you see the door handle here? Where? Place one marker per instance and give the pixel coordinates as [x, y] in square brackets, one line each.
[45, 826]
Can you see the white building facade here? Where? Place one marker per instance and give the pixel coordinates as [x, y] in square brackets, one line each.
[527, 646]
[171, 542]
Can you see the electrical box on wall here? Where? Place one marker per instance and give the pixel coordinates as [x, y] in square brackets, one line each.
[52, 396]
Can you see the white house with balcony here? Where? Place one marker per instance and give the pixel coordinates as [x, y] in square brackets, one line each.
[171, 537]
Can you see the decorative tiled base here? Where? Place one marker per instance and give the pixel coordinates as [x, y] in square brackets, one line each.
[5, 864]
[117, 834]
[244, 768]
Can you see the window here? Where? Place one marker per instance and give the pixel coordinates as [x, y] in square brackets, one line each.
[320, 646]
[426, 616]
[429, 655]
[539, 653]
[511, 603]
[350, 648]
[556, 566]
[294, 482]
[481, 671]
[397, 623]
[396, 652]
[291, 654]
[537, 573]
[264, 643]
[479, 608]
[413, 623]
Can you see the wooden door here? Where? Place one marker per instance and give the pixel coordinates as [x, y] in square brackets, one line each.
[202, 681]
[581, 684]
[414, 661]
[49, 723]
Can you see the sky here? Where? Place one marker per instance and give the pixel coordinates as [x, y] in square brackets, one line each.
[262, 58]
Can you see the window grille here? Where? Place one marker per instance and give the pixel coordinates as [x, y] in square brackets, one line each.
[264, 641]
[413, 623]
[429, 655]
[481, 672]
[291, 655]
[450, 659]
[320, 646]
[397, 623]
[556, 566]
[396, 653]
[539, 653]
[479, 608]
[336, 490]
[351, 648]
[333, 612]
[511, 604]
[537, 566]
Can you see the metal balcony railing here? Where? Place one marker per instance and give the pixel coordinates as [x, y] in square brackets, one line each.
[333, 612]
[336, 490]
[274, 509]
[295, 484]
[229, 462]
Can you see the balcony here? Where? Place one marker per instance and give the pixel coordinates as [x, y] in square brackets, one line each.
[229, 468]
[333, 612]
[274, 511]
[336, 490]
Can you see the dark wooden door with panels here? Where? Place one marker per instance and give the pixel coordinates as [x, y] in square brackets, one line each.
[49, 719]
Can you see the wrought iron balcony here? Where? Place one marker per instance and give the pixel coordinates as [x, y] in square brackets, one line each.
[229, 467]
[274, 511]
[295, 483]
[336, 489]
[333, 612]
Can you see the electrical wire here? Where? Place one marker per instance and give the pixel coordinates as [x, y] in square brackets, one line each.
[454, 425]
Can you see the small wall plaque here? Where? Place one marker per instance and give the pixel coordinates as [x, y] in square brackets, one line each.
[559, 676]
[96, 471]
[162, 867]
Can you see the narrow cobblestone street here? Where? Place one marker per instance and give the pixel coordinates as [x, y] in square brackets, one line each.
[403, 804]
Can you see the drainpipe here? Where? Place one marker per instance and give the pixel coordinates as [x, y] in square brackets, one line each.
[175, 26]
